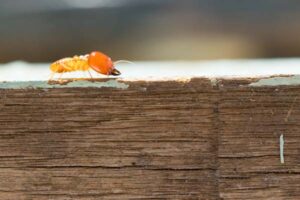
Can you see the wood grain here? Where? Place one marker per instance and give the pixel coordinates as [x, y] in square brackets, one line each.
[154, 140]
[251, 122]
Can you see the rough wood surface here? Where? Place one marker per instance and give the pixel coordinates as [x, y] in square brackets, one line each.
[251, 122]
[153, 140]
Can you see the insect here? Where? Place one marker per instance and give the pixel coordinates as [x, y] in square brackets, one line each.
[96, 61]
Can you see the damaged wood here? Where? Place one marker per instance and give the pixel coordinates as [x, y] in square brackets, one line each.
[150, 140]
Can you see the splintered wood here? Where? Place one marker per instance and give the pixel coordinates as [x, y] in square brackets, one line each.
[153, 140]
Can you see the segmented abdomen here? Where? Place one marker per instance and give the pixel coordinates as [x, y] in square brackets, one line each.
[70, 64]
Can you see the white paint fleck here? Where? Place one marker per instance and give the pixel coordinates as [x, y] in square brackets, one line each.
[281, 143]
[214, 81]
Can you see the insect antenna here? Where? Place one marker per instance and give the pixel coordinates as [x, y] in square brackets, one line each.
[124, 61]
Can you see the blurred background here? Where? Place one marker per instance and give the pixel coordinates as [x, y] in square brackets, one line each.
[46, 30]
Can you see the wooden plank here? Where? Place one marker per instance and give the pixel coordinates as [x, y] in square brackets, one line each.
[154, 140]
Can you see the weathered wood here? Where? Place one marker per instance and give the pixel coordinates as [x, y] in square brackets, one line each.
[251, 122]
[153, 140]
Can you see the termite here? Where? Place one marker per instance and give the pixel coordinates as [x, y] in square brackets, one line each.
[96, 61]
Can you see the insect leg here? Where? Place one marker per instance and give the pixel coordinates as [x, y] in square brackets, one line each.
[60, 78]
[51, 76]
[90, 74]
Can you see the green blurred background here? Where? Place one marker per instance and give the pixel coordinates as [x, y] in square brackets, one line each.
[45, 30]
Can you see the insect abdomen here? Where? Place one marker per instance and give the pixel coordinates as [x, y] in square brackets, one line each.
[70, 64]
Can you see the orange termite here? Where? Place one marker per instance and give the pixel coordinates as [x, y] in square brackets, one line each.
[96, 60]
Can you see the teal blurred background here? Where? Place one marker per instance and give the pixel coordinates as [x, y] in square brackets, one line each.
[45, 30]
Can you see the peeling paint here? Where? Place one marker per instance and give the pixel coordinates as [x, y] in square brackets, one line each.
[73, 84]
[214, 82]
[281, 143]
[277, 81]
